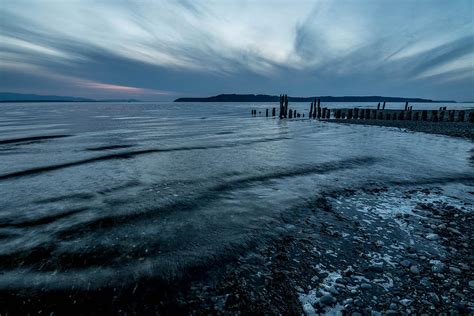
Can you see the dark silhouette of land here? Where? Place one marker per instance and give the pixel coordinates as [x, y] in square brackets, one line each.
[20, 97]
[275, 98]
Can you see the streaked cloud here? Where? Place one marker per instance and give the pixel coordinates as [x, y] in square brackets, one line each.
[152, 48]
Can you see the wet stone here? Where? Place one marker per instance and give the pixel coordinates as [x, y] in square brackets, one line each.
[414, 269]
[326, 299]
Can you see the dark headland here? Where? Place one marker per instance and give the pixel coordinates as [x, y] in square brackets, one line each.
[275, 98]
[21, 97]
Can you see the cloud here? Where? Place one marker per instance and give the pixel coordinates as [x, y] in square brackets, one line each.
[225, 46]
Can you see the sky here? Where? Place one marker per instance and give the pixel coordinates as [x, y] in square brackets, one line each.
[161, 50]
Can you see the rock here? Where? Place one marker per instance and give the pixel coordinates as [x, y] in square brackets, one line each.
[455, 270]
[333, 290]
[358, 302]
[434, 298]
[365, 286]
[406, 263]
[438, 267]
[471, 284]
[326, 299]
[376, 267]
[406, 302]
[393, 306]
[432, 236]
[348, 301]
[356, 314]
[391, 313]
[425, 282]
[414, 269]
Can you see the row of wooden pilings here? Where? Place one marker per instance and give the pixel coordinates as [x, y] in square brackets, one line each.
[440, 115]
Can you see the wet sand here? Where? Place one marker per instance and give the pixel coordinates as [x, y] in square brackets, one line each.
[455, 129]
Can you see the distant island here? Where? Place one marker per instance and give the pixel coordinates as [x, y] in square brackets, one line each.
[275, 98]
[20, 97]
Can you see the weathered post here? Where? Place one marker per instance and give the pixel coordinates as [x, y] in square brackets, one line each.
[424, 115]
[324, 113]
[367, 114]
[266, 112]
[461, 116]
[313, 115]
[319, 108]
[383, 105]
[294, 113]
[416, 116]
[328, 113]
[441, 115]
[378, 106]
[408, 117]
[299, 114]
[451, 116]
[349, 114]
[406, 106]
[380, 115]
[401, 115]
[273, 112]
[387, 117]
[471, 117]
[356, 113]
[343, 114]
[374, 115]
[290, 115]
[281, 108]
[362, 114]
[311, 109]
[286, 105]
[434, 116]
[338, 114]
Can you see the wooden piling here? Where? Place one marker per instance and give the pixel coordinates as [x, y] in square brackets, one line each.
[362, 114]
[319, 108]
[273, 112]
[451, 116]
[434, 116]
[349, 114]
[401, 115]
[378, 106]
[338, 114]
[324, 112]
[406, 106]
[383, 107]
[416, 116]
[424, 115]
[461, 116]
[356, 113]
[328, 113]
[290, 115]
[380, 115]
[266, 112]
[367, 114]
[471, 117]
[311, 109]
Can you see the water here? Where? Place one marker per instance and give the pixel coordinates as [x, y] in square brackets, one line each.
[135, 190]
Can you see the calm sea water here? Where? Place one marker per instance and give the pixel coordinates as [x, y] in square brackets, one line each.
[148, 189]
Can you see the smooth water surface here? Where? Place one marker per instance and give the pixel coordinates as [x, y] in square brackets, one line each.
[93, 194]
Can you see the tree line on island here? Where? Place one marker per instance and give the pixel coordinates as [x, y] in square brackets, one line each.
[275, 98]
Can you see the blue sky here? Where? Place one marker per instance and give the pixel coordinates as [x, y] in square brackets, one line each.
[160, 50]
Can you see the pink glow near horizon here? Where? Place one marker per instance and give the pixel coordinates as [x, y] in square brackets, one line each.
[123, 89]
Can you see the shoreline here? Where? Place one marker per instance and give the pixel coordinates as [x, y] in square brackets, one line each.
[454, 129]
[339, 252]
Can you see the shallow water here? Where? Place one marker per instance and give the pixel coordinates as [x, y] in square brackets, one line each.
[125, 191]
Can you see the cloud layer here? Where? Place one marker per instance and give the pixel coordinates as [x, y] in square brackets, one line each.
[159, 50]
